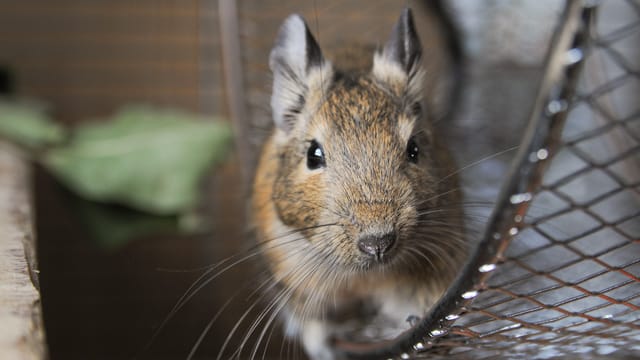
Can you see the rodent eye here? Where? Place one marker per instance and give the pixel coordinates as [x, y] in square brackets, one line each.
[412, 150]
[315, 156]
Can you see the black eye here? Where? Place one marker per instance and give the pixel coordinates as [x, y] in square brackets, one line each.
[412, 151]
[315, 156]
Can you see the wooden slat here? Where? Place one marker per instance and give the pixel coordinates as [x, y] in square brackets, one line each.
[21, 331]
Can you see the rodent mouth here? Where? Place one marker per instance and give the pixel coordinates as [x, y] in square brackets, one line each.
[384, 258]
[380, 260]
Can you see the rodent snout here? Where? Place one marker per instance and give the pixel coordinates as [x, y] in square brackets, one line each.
[377, 245]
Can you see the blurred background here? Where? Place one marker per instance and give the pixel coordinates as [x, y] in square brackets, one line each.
[110, 274]
[88, 59]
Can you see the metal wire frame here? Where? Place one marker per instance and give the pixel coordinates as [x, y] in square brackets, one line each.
[558, 269]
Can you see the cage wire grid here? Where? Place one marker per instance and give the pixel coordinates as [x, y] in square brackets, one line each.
[558, 270]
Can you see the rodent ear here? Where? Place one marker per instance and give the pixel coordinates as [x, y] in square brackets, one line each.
[399, 64]
[298, 70]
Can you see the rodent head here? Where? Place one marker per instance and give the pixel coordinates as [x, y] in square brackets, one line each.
[355, 169]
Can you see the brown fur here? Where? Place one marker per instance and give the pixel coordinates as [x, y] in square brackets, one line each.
[370, 181]
[308, 221]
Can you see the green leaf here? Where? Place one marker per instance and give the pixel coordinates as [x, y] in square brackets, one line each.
[26, 124]
[149, 159]
[112, 227]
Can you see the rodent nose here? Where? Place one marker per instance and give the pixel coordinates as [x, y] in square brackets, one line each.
[376, 245]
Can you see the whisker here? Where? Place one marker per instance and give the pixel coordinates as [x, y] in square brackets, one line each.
[232, 261]
[440, 251]
[299, 250]
[312, 273]
[208, 327]
[233, 330]
[478, 162]
[276, 302]
[282, 297]
[417, 253]
[439, 195]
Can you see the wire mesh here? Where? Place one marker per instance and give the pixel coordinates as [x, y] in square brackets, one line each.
[88, 59]
[558, 271]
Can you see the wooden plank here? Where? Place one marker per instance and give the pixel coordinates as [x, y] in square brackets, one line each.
[21, 330]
